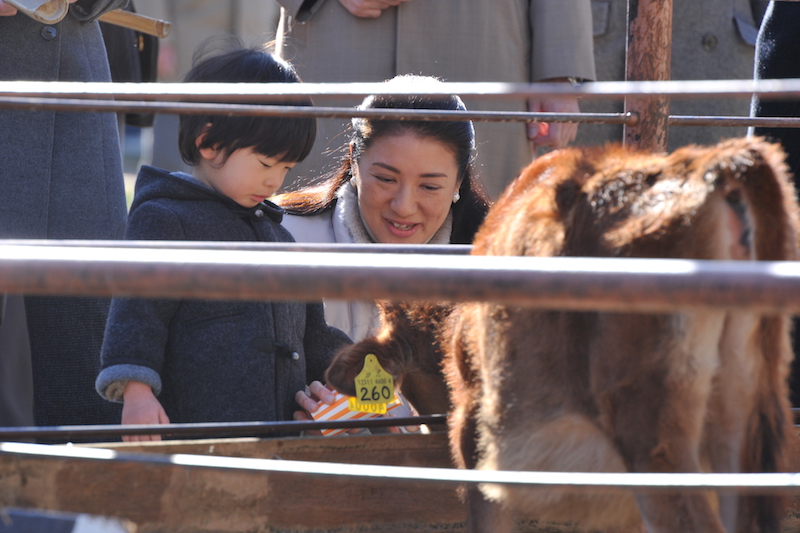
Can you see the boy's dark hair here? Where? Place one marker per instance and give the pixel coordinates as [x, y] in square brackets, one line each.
[289, 138]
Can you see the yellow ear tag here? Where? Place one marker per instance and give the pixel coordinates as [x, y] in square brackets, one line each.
[374, 388]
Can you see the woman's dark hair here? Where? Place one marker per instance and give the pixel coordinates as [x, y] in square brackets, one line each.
[289, 138]
[459, 136]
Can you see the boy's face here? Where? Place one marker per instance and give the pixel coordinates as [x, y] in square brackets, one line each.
[246, 177]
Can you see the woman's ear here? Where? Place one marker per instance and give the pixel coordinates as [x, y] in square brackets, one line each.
[206, 153]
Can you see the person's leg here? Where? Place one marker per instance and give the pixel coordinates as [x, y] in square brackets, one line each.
[16, 381]
[777, 50]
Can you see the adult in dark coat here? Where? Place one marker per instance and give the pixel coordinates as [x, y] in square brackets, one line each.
[61, 175]
[778, 50]
[777, 53]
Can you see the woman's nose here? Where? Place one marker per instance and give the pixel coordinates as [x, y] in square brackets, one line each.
[404, 203]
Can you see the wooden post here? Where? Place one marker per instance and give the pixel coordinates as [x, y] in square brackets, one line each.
[649, 52]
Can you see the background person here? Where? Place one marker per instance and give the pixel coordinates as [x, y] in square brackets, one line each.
[62, 179]
[455, 40]
[712, 39]
[777, 54]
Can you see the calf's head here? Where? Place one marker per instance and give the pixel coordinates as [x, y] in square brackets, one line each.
[408, 346]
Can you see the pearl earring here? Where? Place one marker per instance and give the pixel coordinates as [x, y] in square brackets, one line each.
[456, 197]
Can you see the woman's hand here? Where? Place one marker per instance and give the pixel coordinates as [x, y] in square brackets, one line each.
[310, 400]
[7, 10]
[370, 9]
[140, 406]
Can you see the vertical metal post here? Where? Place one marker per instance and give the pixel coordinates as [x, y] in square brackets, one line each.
[649, 52]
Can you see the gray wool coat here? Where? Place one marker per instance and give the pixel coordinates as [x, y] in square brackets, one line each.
[711, 39]
[61, 177]
[212, 361]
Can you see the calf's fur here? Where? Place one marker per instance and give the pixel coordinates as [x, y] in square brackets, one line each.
[690, 391]
[409, 347]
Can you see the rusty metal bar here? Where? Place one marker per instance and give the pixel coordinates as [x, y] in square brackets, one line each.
[763, 122]
[607, 284]
[628, 119]
[207, 430]
[210, 430]
[648, 56]
[185, 108]
[265, 92]
[434, 249]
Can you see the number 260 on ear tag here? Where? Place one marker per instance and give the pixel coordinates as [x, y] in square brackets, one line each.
[374, 388]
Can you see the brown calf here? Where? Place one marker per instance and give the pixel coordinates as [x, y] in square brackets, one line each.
[692, 391]
[409, 346]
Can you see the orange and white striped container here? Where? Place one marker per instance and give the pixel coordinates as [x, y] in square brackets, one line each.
[339, 410]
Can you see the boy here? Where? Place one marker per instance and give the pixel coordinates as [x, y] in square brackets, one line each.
[202, 361]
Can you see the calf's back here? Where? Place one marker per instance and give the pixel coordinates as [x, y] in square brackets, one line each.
[691, 391]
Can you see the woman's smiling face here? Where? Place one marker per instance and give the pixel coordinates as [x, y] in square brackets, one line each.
[405, 187]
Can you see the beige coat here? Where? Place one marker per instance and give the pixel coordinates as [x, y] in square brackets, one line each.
[456, 40]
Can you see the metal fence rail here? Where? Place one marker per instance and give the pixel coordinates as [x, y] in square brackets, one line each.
[266, 92]
[609, 284]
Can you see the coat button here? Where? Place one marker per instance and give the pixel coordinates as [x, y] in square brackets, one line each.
[259, 213]
[710, 42]
[49, 33]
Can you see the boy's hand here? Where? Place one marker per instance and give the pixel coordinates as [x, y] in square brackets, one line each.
[141, 407]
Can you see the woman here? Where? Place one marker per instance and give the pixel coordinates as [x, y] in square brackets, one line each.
[400, 182]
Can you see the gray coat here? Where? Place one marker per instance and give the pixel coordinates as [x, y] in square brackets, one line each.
[61, 177]
[212, 361]
[711, 39]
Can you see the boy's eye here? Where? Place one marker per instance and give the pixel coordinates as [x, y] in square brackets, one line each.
[267, 165]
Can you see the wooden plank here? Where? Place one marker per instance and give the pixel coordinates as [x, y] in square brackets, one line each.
[178, 499]
[161, 499]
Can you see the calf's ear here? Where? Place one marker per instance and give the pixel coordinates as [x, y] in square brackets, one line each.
[342, 372]
[768, 189]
